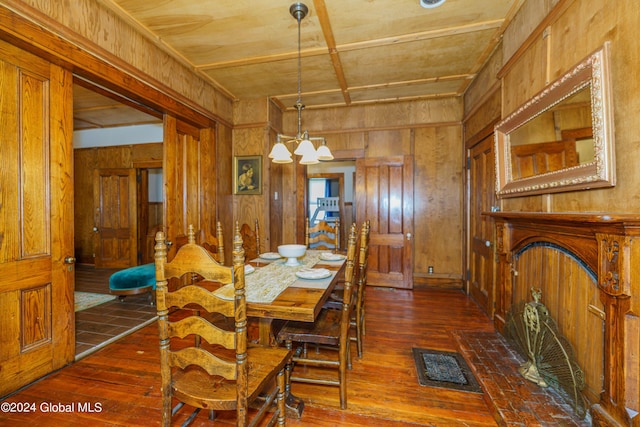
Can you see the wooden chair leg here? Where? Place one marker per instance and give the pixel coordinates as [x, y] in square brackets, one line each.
[359, 335]
[280, 379]
[342, 372]
[287, 370]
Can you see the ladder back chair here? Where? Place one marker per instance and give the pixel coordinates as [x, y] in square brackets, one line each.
[221, 373]
[250, 240]
[330, 329]
[322, 235]
[335, 300]
[214, 244]
[363, 263]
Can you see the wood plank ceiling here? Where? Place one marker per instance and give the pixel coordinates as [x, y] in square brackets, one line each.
[353, 51]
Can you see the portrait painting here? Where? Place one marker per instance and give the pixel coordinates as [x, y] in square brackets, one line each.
[247, 175]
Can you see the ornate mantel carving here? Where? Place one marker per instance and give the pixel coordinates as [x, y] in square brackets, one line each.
[610, 245]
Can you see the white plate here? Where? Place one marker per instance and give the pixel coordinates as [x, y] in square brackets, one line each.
[313, 273]
[248, 269]
[328, 256]
[270, 255]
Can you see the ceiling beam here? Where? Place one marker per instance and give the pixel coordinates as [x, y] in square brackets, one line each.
[325, 24]
[407, 38]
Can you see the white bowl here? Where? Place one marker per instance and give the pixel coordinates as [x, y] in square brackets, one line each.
[292, 252]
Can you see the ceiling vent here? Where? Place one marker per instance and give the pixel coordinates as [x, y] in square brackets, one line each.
[431, 3]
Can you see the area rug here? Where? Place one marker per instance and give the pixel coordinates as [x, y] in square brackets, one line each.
[445, 370]
[84, 300]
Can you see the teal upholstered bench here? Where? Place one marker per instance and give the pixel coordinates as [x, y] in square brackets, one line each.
[134, 281]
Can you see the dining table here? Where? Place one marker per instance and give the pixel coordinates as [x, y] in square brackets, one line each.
[276, 291]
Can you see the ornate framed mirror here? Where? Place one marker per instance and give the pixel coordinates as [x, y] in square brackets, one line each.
[563, 138]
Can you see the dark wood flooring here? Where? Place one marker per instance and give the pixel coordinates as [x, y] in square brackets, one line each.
[119, 385]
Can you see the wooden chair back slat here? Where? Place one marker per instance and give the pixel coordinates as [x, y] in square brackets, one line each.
[201, 327]
[195, 295]
[213, 244]
[322, 235]
[210, 363]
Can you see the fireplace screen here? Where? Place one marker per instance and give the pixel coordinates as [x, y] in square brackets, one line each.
[550, 360]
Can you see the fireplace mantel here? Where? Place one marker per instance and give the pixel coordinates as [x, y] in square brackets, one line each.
[610, 245]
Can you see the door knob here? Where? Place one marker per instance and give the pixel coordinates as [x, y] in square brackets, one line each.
[487, 243]
[95, 229]
[408, 236]
[69, 260]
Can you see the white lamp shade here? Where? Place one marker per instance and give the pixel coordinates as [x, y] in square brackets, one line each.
[305, 147]
[283, 160]
[309, 158]
[280, 154]
[324, 153]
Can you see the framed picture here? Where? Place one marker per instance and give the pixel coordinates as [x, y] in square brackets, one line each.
[247, 175]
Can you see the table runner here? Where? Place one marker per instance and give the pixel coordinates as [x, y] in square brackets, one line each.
[266, 283]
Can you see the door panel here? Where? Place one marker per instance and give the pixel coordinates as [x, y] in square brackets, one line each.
[115, 207]
[535, 159]
[384, 195]
[190, 181]
[482, 198]
[36, 218]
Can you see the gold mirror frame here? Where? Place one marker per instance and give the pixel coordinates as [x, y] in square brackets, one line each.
[593, 72]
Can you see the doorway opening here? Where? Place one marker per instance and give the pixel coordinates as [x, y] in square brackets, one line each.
[119, 143]
[330, 193]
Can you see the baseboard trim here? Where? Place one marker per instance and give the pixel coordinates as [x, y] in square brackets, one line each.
[440, 281]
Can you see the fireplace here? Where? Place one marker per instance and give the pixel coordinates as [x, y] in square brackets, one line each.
[589, 266]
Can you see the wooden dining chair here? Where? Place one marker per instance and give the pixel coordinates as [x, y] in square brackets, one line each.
[250, 240]
[335, 299]
[220, 374]
[322, 235]
[330, 330]
[214, 244]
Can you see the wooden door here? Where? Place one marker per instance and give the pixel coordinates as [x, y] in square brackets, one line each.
[535, 159]
[481, 199]
[36, 218]
[189, 174]
[384, 195]
[115, 224]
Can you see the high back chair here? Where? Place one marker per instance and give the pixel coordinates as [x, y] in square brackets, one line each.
[214, 244]
[219, 374]
[250, 240]
[363, 263]
[330, 329]
[335, 300]
[322, 235]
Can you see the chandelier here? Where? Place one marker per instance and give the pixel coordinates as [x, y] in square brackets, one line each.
[304, 145]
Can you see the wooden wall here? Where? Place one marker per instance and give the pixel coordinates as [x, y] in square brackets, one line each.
[86, 160]
[585, 26]
[544, 40]
[431, 131]
[96, 29]
[251, 135]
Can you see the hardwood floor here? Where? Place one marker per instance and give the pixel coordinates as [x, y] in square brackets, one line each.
[119, 384]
